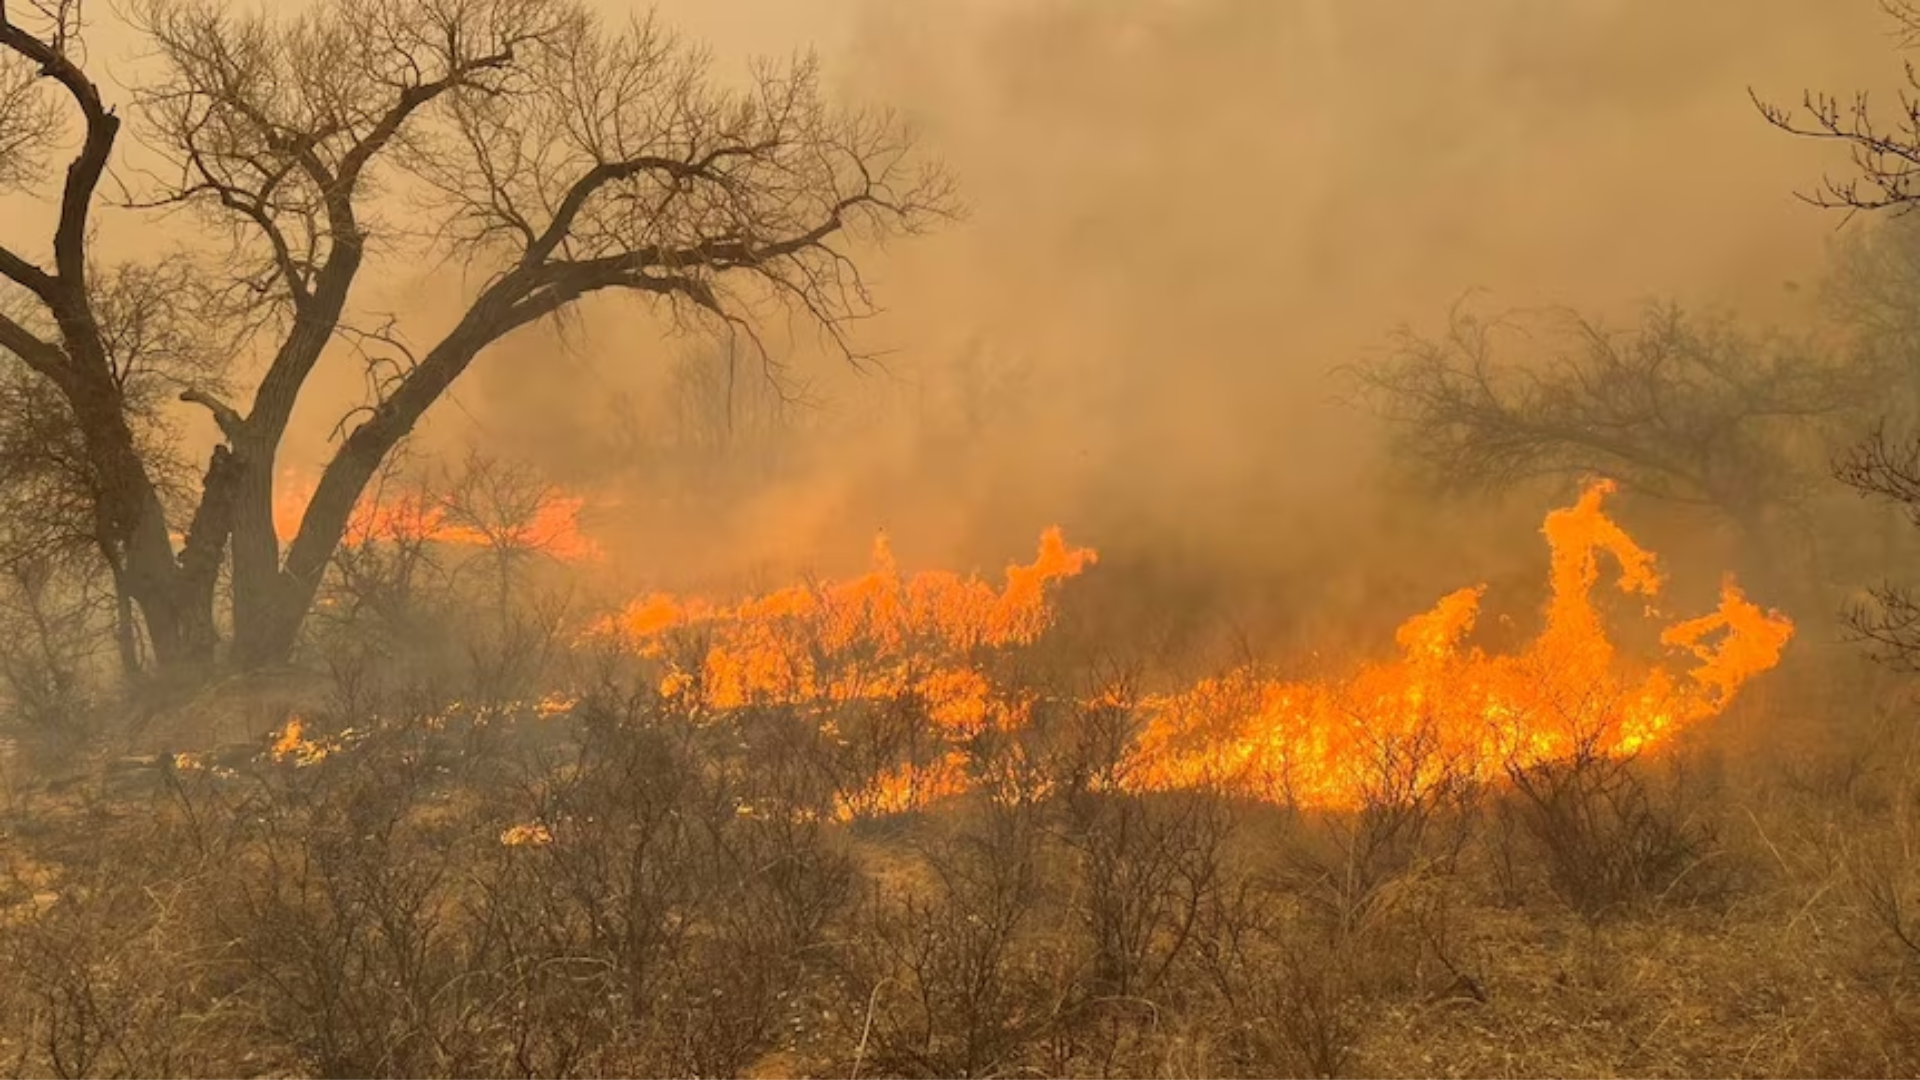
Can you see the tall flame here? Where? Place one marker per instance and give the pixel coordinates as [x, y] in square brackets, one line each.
[1442, 710]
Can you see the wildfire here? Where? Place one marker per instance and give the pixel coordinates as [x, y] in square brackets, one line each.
[531, 835]
[552, 524]
[1443, 710]
[292, 745]
[876, 636]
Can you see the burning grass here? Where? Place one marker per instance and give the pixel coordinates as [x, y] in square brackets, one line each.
[1461, 711]
[856, 827]
[1444, 711]
[543, 520]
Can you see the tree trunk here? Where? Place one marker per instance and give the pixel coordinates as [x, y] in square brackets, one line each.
[175, 603]
[274, 621]
[179, 620]
[175, 594]
[270, 602]
[255, 546]
[126, 635]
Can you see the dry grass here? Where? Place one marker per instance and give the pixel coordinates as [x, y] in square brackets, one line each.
[361, 917]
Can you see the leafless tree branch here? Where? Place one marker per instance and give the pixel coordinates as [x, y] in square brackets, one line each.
[553, 155]
[1680, 408]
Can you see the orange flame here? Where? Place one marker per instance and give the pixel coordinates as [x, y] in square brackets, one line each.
[553, 527]
[1444, 710]
[875, 636]
[291, 744]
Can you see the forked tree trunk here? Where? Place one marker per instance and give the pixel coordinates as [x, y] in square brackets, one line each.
[269, 607]
[174, 593]
[272, 597]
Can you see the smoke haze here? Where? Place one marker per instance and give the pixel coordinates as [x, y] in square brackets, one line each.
[1182, 215]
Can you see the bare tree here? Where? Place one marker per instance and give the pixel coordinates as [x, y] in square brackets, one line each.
[1680, 408]
[1889, 621]
[513, 516]
[547, 154]
[1876, 289]
[507, 510]
[1885, 150]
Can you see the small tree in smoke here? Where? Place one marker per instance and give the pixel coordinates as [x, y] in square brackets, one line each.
[509, 512]
[726, 428]
[1878, 279]
[549, 154]
[1680, 408]
[1872, 290]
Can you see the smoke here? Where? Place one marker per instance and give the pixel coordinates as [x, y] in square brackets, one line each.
[1183, 216]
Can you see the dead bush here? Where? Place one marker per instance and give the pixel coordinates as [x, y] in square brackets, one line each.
[110, 971]
[53, 651]
[1289, 995]
[1146, 866]
[1612, 833]
[668, 899]
[957, 975]
[342, 904]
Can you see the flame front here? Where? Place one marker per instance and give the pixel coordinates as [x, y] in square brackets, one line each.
[876, 636]
[1443, 710]
[553, 526]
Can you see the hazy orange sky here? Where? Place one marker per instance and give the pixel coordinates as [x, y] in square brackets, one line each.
[1183, 213]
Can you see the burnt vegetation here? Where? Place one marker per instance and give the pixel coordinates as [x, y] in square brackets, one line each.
[372, 792]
